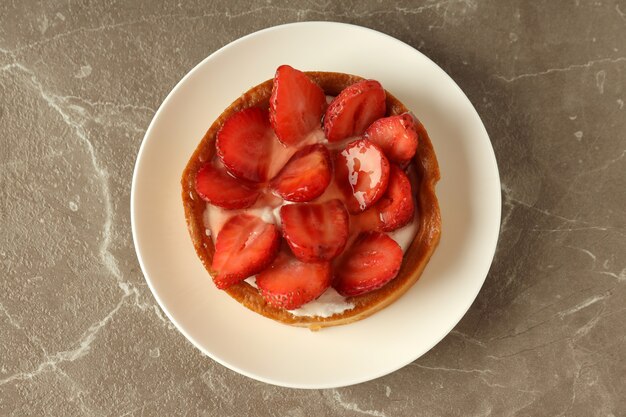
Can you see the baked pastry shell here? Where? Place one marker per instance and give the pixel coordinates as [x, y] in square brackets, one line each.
[415, 258]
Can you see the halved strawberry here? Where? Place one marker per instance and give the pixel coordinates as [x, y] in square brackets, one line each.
[289, 283]
[372, 261]
[396, 135]
[315, 232]
[244, 144]
[369, 220]
[245, 246]
[218, 187]
[305, 176]
[361, 172]
[354, 109]
[296, 105]
[396, 206]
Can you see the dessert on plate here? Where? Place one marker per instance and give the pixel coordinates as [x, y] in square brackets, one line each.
[311, 199]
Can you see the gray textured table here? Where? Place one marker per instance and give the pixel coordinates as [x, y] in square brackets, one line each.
[80, 333]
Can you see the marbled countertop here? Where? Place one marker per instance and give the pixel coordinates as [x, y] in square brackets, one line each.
[81, 334]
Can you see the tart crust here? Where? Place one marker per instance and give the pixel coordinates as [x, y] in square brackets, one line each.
[415, 258]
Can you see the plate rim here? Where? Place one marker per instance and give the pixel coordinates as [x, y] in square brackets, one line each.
[133, 193]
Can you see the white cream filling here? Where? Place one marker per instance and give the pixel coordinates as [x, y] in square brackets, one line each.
[328, 304]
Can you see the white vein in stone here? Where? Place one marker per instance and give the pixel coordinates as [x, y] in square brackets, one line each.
[620, 12]
[530, 349]
[467, 338]
[586, 303]
[571, 229]
[600, 79]
[81, 349]
[608, 163]
[12, 321]
[165, 320]
[9, 67]
[355, 407]
[121, 106]
[511, 201]
[621, 276]
[464, 371]
[587, 327]
[586, 252]
[566, 69]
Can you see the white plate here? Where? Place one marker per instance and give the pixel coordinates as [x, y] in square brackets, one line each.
[469, 194]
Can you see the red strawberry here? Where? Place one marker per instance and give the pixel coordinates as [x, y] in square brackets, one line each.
[315, 232]
[396, 135]
[245, 246]
[396, 206]
[221, 189]
[305, 176]
[296, 105]
[244, 144]
[372, 261]
[354, 109]
[366, 221]
[361, 172]
[289, 283]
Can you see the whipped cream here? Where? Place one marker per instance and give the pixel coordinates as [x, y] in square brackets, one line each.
[215, 217]
[330, 302]
[404, 236]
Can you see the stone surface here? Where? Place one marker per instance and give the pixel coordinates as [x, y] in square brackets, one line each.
[80, 333]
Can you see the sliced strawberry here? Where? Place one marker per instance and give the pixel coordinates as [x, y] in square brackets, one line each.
[372, 261]
[296, 105]
[289, 283]
[396, 207]
[305, 176]
[221, 189]
[354, 109]
[315, 232]
[369, 220]
[244, 144]
[361, 172]
[245, 246]
[396, 135]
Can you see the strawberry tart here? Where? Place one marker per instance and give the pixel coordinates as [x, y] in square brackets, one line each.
[311, 199]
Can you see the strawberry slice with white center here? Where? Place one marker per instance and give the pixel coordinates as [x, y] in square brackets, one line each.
[396, 135]
[305, 176]
[361, 172]
[354, 109]
[373, 260]
[296, 105]
[315, 232]
[245, 246]
[396, 207]
[218, 187]
[289, 283]
[244, 144]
